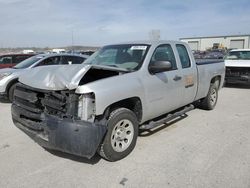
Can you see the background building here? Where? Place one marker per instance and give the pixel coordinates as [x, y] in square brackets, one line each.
[223, 42]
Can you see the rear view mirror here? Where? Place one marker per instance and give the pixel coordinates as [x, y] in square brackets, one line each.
[159, 66]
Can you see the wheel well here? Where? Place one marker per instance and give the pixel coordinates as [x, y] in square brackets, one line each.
[216, 80]
[133, 104]
[10, 84]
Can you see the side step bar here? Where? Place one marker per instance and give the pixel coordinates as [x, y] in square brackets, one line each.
[153, 124]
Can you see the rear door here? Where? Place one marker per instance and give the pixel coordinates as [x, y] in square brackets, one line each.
[189, 75]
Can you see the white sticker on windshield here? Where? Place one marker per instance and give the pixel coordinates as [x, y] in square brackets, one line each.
[138, 48]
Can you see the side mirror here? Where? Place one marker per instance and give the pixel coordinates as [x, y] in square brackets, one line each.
[159, 66]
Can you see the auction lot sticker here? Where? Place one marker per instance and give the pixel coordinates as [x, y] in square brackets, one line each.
[138, 47]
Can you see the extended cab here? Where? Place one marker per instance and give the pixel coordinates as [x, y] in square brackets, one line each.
[101, 105]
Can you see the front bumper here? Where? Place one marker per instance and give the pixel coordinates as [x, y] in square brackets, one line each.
[237, 79]
[71, 136]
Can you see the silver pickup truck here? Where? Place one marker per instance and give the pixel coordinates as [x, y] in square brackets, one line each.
[100, 106]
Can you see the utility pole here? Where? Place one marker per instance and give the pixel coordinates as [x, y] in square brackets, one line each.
[72, 40]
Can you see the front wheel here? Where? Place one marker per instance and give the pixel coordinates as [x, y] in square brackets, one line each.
[122, 134]
[209, 102]
[11, 92]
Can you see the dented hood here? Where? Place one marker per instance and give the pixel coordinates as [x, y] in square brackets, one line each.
[55, 77]
[59, 77]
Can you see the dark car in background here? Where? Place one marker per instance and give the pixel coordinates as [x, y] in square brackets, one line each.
[9, 76]
[10, 60]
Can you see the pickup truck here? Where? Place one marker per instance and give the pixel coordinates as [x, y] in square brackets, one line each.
[237, 64]
[101, 105]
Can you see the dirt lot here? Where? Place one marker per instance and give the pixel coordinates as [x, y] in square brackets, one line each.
[205, 149]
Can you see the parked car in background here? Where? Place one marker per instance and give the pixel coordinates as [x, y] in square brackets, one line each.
[10, 60]
[9, 76]
[237, 64]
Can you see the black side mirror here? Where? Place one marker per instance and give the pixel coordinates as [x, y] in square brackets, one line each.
[159, 66]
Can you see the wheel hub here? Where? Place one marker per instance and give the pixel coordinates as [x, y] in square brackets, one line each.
[122, 135]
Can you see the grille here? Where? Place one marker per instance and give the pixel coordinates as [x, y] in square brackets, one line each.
[237, 71]
[35, 103]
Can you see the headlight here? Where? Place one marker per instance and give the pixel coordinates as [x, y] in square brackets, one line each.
[3, 75]
[86, 107]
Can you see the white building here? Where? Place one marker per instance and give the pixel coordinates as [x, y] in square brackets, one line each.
[229, 42]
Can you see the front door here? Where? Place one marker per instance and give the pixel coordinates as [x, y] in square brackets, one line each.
[163, 90]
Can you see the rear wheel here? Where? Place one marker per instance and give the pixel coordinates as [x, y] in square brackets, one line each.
[11, 92]
[209, 102]
[121, 136]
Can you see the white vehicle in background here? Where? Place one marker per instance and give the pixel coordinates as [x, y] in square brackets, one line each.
[28, 52]
[58, 51]
[237, 64]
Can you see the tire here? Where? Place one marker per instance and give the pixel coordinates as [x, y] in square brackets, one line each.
[121, 136]
[209, 102]
[11, 92]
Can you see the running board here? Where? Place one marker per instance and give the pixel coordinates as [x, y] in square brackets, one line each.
[153, 124]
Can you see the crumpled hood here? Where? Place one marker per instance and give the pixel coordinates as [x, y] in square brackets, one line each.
[237, 63]
[55, 77]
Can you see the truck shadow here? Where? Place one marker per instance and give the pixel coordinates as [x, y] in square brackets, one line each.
[145, 133]
[94, 160]
[238, 86]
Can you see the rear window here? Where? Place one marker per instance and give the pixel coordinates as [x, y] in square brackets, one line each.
[183, 55]
[19, 58]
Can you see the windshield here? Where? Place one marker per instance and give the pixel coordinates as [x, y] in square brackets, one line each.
[28, 62]
[238, 55]
[126, 56]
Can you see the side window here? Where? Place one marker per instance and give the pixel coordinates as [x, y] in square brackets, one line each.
[164, 53]
[50, 61]
[68, 60]
[6, 60]
[183, 55]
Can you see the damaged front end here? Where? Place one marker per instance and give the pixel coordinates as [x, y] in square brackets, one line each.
[59, 120]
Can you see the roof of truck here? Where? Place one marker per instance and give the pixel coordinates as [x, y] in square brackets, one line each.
[150, 42]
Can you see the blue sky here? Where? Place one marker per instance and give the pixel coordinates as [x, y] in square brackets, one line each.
[98, 22]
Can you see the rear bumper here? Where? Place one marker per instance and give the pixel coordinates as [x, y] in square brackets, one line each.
[71, 136]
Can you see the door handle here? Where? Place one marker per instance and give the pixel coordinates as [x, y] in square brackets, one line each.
[177, 78]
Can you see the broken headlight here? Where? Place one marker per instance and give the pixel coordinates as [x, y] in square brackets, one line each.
[86, 107]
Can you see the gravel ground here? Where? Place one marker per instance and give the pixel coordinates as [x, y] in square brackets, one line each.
[205, 149]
